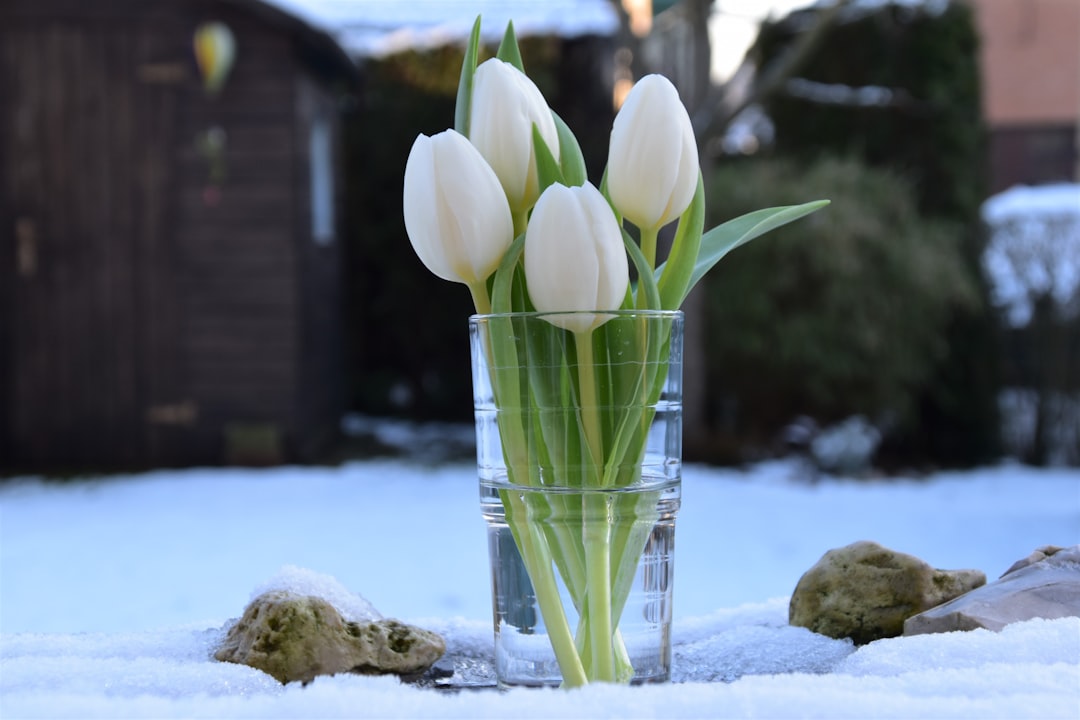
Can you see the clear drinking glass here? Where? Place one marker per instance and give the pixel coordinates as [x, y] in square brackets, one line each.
[579, 454]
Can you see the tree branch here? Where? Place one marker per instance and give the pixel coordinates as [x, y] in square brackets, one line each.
[713, 117]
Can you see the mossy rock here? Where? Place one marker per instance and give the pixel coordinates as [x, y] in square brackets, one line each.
[297, 637]
[865, 592]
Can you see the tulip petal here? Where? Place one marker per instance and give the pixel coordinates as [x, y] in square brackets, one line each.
[505, 106]
[574, 257]
[420, 206]
[652, 160]
[456, 215]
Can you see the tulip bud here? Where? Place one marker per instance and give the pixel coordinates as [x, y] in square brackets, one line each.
[652, 159]
[505, 106]
[574, 256]
[456, 214]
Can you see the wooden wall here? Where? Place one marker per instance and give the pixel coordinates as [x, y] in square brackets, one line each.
[319, 393]
[86, 181]
[237, 256]
[150, 311]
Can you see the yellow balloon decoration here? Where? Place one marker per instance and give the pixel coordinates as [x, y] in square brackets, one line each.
[215, 51]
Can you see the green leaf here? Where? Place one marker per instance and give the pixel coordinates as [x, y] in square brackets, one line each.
[646, 281]
[571, 160]
[501, 296]
[674, 282]
[548, 171]
[508, 48]
[607, 196]
[465, 84]
[722, 239]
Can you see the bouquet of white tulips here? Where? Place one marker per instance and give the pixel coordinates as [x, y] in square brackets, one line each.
[502, 203]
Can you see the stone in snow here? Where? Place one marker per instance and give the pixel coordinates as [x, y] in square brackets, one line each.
[865, 592]
[1046, 584]
[297, 637]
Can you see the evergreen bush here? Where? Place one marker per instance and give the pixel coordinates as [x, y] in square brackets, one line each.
[840, 314]
[921, 64]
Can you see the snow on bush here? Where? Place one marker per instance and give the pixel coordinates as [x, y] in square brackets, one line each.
[1034, 248]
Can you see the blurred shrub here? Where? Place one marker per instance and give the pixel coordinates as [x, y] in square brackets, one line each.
[841, 313]
[923, 120]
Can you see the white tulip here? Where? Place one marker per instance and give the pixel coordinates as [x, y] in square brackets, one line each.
[652, 159]
[456, 214]
[574, 257]
[505, 106]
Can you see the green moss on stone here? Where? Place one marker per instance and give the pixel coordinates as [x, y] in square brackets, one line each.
[400, 639]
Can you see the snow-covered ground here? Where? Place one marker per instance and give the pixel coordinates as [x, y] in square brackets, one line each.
[112, 591]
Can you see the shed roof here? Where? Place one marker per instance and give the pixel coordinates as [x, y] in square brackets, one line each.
[375, 28]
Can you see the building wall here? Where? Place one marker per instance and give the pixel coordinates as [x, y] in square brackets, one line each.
[1031, 61]
[1032, 155]
[1031, 89]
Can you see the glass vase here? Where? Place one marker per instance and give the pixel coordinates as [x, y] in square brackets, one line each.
[579, 454]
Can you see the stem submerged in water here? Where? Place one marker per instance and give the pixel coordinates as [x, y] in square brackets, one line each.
[597, 607]
[596, 521]
[533, 547]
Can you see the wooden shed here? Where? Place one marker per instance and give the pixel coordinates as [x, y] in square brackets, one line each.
[169, 270]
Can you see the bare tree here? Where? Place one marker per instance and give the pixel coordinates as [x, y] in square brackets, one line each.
[678, 47]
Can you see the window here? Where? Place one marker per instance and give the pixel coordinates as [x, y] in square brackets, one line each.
[322, 180]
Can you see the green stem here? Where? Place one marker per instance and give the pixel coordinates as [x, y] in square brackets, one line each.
[521, 221]
[522, 470]
[597, 534]
[480, 298]
[648, 245]
[587, 402]
[648, 249]
[596, 518]
[537, 558]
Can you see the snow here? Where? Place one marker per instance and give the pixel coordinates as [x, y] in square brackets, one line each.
[301, 581]
[838, 94]
[113, 591]
[1034, 248]
[1024, 200]
[1019, 410]
[374, 28]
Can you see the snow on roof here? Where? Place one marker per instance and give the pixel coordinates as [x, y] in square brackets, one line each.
[1034, 248]
[375, 28]
[1028, 200]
